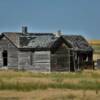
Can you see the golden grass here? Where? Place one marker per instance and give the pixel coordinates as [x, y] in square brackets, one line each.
[50, 94]
[94, 42]
[25, 77]
[59, 93]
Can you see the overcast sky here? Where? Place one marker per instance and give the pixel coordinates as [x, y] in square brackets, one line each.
[70, 16]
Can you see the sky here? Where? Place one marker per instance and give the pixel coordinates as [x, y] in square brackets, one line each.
[79, 17]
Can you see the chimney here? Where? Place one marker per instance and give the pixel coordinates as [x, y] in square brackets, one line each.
[58, 33]
[24, 29]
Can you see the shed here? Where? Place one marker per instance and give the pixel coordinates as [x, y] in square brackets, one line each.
[44, 52]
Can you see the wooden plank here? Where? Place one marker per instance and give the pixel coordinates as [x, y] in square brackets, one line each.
[1, 60]
[42, 56]
[24, 60]
[12, 58]
[42, 67]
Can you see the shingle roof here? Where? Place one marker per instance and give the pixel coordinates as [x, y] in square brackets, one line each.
[37, 40]
[42, 42]
[78, 42]
[46, 40]
[31, 40]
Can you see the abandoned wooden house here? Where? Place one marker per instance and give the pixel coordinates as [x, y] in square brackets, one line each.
[44, 51]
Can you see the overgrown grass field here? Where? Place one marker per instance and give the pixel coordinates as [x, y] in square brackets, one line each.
[49, 86]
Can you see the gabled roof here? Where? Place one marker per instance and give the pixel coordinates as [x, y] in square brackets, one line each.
[46, 40]
[78, 42]
[30, 40]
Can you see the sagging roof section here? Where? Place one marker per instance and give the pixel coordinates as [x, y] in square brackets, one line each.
[78, 42]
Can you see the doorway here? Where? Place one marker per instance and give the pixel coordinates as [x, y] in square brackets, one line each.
[5, 58]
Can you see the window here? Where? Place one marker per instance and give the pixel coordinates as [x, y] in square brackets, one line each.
[5, 58]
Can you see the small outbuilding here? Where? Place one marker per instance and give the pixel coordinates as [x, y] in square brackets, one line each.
[44, 51]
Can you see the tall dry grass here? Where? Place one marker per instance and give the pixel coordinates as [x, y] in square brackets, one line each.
[28, 81]
[50, 94]
[50, 86]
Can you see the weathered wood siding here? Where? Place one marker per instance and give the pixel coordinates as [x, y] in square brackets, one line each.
[34, 61]
[1, 60]
[60, 60]
[12, 56]
[5, 44]
[41, 60]
[25, 60]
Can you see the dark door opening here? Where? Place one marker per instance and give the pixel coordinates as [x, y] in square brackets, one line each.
[5, 58]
